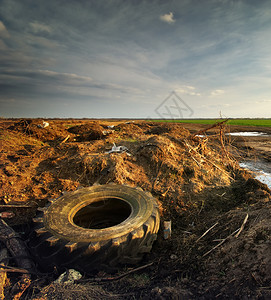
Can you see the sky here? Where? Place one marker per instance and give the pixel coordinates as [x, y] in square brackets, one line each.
[135, 59]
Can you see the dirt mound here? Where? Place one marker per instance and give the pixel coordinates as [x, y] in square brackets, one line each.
[130, 129]
[37, 128]
[22, 126]
[85, 128]
[88, 132]
[176, 131]
[171, 166]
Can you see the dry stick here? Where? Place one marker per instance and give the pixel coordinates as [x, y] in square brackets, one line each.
[15, 206]
[222, 142]
[64, 140]
[223, 171]
[209, 161]
[210, 127]
[224, 240]
[242, 226]
[206, 232]
[117, 277]
[4, 268]
[199, 164]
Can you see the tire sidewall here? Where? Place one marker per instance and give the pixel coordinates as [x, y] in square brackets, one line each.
[58, 219]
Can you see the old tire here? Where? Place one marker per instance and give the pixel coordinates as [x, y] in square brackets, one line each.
[95, 228]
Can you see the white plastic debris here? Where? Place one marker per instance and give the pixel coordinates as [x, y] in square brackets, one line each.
[43, 125]
[118, 149]
[110, 126]
[68, 276]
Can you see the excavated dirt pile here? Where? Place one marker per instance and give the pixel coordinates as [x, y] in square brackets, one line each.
[220, 243]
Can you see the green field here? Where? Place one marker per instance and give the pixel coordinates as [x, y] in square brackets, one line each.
[243, 122]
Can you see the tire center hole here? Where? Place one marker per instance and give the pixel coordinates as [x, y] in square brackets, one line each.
[102, 214]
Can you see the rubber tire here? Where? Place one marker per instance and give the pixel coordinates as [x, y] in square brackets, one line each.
[59, 243]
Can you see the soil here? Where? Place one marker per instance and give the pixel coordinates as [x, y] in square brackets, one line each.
[220, 242]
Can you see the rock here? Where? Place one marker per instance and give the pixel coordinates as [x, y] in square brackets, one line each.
[68, 277]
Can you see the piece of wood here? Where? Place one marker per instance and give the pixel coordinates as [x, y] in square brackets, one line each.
[65, 140]
[17, 249]
[206, 232]
[242, 226]
[16, 246]
[15, 206]
[3, 274]
[4, 268]
[222, 242]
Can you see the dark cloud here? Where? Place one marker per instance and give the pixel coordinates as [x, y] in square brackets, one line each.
[49, 83]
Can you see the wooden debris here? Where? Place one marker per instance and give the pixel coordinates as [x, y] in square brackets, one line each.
[15, 206]
[15, 246]
[206, 232]
[222, 242]
[65, 140]
[242, 226]
[203, 158]
[4, 268]
[18, 250]
[3, 274]
[7, 214]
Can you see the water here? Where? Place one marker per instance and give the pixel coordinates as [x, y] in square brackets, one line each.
[261, 170]
[241, 133]
[247, 133]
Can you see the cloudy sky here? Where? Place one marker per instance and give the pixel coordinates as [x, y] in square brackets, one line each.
[124, 58]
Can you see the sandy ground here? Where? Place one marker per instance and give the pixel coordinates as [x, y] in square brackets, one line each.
[213, 252]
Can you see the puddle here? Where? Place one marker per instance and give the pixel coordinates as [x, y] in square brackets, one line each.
[241, 133]
[247, 133]
[261, 170]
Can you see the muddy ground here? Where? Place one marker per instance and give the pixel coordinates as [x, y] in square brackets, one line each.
[199, 186]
